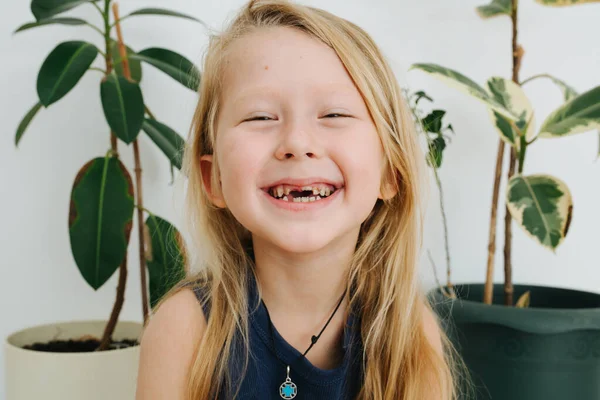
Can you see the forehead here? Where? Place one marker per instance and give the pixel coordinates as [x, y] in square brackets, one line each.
[282, 61]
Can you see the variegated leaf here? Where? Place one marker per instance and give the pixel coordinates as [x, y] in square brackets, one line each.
[465, 85]
[542, 205]
[580, 114]
[495, 8]
[567, 91]
[560, 3]
[513, 98]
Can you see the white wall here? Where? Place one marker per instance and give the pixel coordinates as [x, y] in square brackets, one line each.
[39, 281]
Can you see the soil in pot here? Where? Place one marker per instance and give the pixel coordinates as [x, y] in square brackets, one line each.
[82, 345]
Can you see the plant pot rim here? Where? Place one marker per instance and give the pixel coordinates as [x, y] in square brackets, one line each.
[9, 341]
[541, 320]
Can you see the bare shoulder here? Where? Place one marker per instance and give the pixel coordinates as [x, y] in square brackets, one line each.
[432, 329]
[167, 347]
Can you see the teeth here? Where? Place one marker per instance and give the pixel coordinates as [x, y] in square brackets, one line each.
[327, 191]
[308, 188]
[297, 200]
[285, 198]
[286, 191]
[322, 192]
[318, 197]
[305, 199]
[311, 199]
[315, 191]
[279, 191]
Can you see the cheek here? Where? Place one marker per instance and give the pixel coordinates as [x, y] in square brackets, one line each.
[361, 158]
[239, 162]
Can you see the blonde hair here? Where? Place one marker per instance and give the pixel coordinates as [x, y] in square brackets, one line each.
[402, 363]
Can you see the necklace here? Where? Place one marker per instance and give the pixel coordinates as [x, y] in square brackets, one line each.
[288, 389]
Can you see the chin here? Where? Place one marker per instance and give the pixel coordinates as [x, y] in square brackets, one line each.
[300, 243]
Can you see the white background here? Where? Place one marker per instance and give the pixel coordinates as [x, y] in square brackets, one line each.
[39, 282]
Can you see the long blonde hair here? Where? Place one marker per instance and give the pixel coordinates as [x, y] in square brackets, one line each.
[402, 363]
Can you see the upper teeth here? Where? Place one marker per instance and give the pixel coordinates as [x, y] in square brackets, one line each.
[319, 190]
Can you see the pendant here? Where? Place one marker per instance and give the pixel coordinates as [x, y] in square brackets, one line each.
[288, 389]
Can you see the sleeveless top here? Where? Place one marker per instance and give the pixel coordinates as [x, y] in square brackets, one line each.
[265, 372]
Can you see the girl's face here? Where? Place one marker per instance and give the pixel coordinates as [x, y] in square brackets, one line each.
[299, 157]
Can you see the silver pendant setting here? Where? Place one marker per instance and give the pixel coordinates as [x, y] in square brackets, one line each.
[288, 389]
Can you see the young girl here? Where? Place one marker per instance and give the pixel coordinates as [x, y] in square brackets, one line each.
[303, 177]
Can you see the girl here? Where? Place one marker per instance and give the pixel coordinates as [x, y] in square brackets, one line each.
[303, 176]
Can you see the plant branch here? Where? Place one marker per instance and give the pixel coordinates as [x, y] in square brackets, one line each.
[97, 7]
[149, 112]
[138, 175]
[97, 69]
[114, 315]
[445, 224]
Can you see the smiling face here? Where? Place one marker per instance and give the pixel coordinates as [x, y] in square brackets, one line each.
[300, 160]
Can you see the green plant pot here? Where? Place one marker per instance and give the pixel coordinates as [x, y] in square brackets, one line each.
[549, 351]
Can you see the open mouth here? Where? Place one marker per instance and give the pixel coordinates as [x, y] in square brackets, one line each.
[301, 194]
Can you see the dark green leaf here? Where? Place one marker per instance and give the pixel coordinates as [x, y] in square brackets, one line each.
[135, 66]
[161, 11]
[496, 7]
[51, 21]
[100, 218]
[25, 122]
[436, 148]
[171, 144]
[175, 65]
[42, 9]
[123, 106]
[163, 256]
[63, 68]
[421, 95]
[433, 121]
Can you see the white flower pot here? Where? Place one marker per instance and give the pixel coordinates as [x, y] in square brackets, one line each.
[105, 375]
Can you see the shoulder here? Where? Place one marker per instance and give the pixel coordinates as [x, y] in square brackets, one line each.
[168, 344]
[432, 329]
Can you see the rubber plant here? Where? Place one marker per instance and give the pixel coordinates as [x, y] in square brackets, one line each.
[104, 197]
[541, 204]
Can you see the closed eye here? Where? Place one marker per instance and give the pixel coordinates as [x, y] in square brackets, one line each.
[336, 114]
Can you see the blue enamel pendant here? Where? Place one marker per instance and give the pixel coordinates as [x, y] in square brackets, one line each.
[288, 389]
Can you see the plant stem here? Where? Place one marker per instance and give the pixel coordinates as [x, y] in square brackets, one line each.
[114, 315]
[522, 152]
[108, 59]
[97, 7]
[149, 112]
[138, 174]
[445, 224]
[97, 69]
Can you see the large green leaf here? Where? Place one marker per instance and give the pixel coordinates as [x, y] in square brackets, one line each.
[123, 106]
[496, 7]
[63, 68]
[169, 141]
[42, 9]
[462, 83]
[173, 64]
[161, 11]
[512, 97]
[51, 21]
[542, 205]
[135, 66]
[560, 3]
[164, 257]
[25, 122]
[580, 114]
[100, 218]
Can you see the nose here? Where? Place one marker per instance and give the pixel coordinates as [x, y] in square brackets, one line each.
[298, 140]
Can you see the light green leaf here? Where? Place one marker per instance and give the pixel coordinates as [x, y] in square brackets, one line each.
[580, 114]
[161, 11]
[51, 21]
[173, 64]
[100, 218]
[560, 3]
[123, 106]
[171, 144]
[542, 206]
[43, 9]
[164, 257]
[25, 122]
[462, 83]
[513, 98]
[63, 68]
[496, 7]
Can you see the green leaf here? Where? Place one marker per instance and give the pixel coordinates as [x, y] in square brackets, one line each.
[51, 21]
[43, 9]
[171, 144]
[123, 106]
[462, 83]
[100, 218]
[421, 95]
[580, 114]
[161, 11]
[175, 65]
[513, 98]
[433, 121]
[496, 7]
[560, 3]
[63, 68]
[25, 122]
[163, 256]
[542, 206]
[135, 66]
[436, 148]
[568, 91]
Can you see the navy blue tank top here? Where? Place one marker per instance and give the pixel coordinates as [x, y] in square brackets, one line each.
[266, 372]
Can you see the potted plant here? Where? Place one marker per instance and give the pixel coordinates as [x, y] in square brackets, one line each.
[98, 359]
[524, 341]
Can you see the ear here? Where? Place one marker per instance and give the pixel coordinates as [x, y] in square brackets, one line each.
[387, 188]
[214, 193]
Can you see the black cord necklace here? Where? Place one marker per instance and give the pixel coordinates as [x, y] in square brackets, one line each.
[288, 389]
